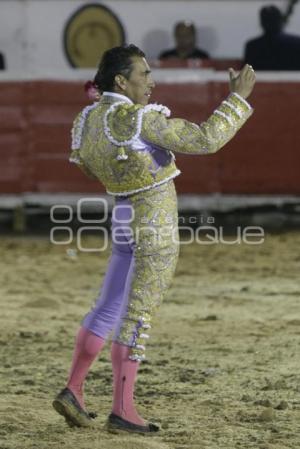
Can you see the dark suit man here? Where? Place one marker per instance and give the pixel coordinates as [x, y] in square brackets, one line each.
[274, 50]
[185, 38]
[2, 62]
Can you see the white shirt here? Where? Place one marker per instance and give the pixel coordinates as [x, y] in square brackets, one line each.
[120, 96]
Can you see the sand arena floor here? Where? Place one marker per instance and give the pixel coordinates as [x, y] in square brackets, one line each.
[223, 367]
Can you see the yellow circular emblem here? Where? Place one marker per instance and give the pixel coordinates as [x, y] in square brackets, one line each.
[89, 32]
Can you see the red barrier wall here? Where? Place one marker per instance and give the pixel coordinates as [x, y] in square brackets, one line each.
[263, 158]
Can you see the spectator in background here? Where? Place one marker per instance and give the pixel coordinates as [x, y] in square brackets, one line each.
[274, 50]
[2, 62]
[185, 38]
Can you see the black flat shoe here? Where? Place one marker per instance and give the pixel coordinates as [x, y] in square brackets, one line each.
[67, 405]
[116, 423]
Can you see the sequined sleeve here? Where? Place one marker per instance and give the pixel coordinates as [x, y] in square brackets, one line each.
[182, 136]
[76, 133]
[76, 158]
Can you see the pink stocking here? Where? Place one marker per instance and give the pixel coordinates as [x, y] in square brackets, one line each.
[87, 347]
[124, 374]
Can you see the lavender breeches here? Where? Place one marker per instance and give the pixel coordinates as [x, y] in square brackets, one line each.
[145, 249]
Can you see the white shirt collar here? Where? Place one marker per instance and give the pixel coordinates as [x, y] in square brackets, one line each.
[114, 94]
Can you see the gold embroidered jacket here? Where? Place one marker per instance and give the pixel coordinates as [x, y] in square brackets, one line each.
[129, 147]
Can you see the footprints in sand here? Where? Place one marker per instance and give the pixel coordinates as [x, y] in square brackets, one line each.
[43, 302]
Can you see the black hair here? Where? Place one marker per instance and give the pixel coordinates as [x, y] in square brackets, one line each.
[271, 19]
[115, 61]
[182, 24]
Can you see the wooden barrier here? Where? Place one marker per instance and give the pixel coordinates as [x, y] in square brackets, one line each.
[263, 158]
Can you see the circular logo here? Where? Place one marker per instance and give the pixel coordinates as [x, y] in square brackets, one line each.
[89, 32]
